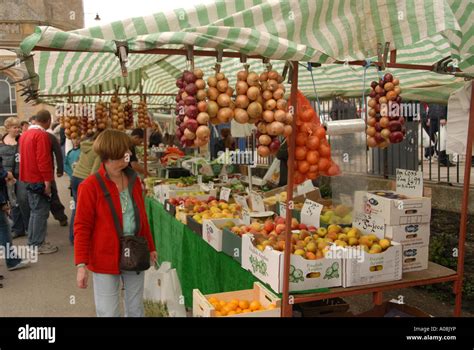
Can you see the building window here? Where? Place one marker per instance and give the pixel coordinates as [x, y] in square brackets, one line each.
[7, 96]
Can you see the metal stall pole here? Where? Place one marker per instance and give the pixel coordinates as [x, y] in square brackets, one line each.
[464, 209]
[287, 308]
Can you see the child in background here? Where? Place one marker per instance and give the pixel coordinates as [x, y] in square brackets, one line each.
[69, 163]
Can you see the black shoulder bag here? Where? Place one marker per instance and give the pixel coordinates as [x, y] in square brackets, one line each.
[134, 252]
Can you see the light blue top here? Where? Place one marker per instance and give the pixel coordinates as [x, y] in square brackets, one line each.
[129, 223]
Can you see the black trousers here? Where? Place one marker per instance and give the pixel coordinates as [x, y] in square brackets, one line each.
[57, 208]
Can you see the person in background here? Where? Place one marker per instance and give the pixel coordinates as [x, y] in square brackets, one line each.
[70, 162]
[36, 170]
[282, 155]
[436, 117]
[137, 137]
[226, 142]
[57, 208]
[155, 139]
[13, 262]
[97, 244]
[87, 164]
[24, 126]
[11, 162]
[32, 120]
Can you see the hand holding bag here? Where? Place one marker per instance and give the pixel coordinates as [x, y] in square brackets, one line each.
[134, 252]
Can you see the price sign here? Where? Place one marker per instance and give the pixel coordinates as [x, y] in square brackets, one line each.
[225, 194]
[282, 209]
[246, 216]
[369, 224]
[157, 191]
[410, 182]
[305, 187]
[225, 178]
[240, 200]
[199, 179]
[256, 201]
[211, 185]
[168, 206]
[311, 213]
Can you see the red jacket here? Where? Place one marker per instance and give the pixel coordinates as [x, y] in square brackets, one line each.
[36, 164]
[96, 241]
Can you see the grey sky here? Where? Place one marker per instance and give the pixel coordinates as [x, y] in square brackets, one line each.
[116, 10]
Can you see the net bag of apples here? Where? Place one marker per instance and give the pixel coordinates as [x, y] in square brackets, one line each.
[312, 151]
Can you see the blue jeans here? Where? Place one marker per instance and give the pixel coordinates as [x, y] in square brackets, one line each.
[6, 240]
[23, 205]
[39, 206]
[75, 182]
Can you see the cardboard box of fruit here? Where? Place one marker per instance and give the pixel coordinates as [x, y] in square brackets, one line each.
[415, 258]
[377, 262]
[394, 208]
[256, 302]
[409, 235]
[309, 268]
[212, 231]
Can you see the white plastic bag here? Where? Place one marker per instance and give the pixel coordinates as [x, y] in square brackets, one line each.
[443, 135]
[162, 285]
[273, 173]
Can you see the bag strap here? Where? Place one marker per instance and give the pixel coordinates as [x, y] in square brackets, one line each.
[131, 184]
[118, 227]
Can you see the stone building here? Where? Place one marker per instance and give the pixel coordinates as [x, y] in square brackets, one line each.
[18, 19]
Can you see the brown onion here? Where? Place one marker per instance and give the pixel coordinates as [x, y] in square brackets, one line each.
[241, 87]
[268, 116]
[253, 92]
[252, 79]
[242, 75]
[270, 105]
[242, 101]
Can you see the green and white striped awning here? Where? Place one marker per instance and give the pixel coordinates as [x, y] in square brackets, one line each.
[422, 32]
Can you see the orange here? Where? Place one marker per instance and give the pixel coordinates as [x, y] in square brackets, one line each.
[238, 310]
[231, 313]
[244, 304]
[235, 301]
[223, 313]
[213, 300]
[217, 306]
[218, 314]
[226, 309]
[222, 303]
[246, 311]
[233, 306]
[255, 305]
[271, 307]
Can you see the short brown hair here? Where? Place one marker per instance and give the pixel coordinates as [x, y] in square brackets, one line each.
[43, 116]
[112, 145]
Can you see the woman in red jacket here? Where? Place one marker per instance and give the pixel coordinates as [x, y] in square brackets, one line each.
[96, 241]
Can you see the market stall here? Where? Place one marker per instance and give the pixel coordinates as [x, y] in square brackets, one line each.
[249, 56]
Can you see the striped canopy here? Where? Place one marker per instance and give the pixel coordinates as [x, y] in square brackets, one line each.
[322, 31]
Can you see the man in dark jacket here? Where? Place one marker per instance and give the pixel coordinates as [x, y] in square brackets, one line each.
[436, 117]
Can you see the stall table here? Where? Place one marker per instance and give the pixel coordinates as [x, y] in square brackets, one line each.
[198, 264]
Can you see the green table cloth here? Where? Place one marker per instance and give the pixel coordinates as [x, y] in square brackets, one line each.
[198, 264]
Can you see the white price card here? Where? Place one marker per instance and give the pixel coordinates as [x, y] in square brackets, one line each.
[369, 224]
[157, 191]
[225, 178]
[282, 209]
[211, 185]
[305, 187]
[256, 202]
[199, 179]
[410, 182]
[168, 206]
[246, 216]
[311, 213]
[242, 201]
[224, 194]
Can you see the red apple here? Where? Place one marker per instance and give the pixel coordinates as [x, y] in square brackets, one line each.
[269, 226]
[312, 228]
[294, 224]
[280, 228]
[302, 227]
[279, 220]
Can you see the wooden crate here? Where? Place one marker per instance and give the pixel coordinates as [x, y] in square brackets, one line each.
[203, 308]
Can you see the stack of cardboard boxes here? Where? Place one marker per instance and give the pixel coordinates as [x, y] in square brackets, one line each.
[407, 221]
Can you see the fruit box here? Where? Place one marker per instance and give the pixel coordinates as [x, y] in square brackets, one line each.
[163, 192]
[195, 226]
[415, 258]
[203, 308]
[268, 267]
[170, 208]
[412, 234]
[372, 268]
[232, 245]
[212, 234]
[395, 211]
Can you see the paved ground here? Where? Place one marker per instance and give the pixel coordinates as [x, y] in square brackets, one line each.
[48, 287]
